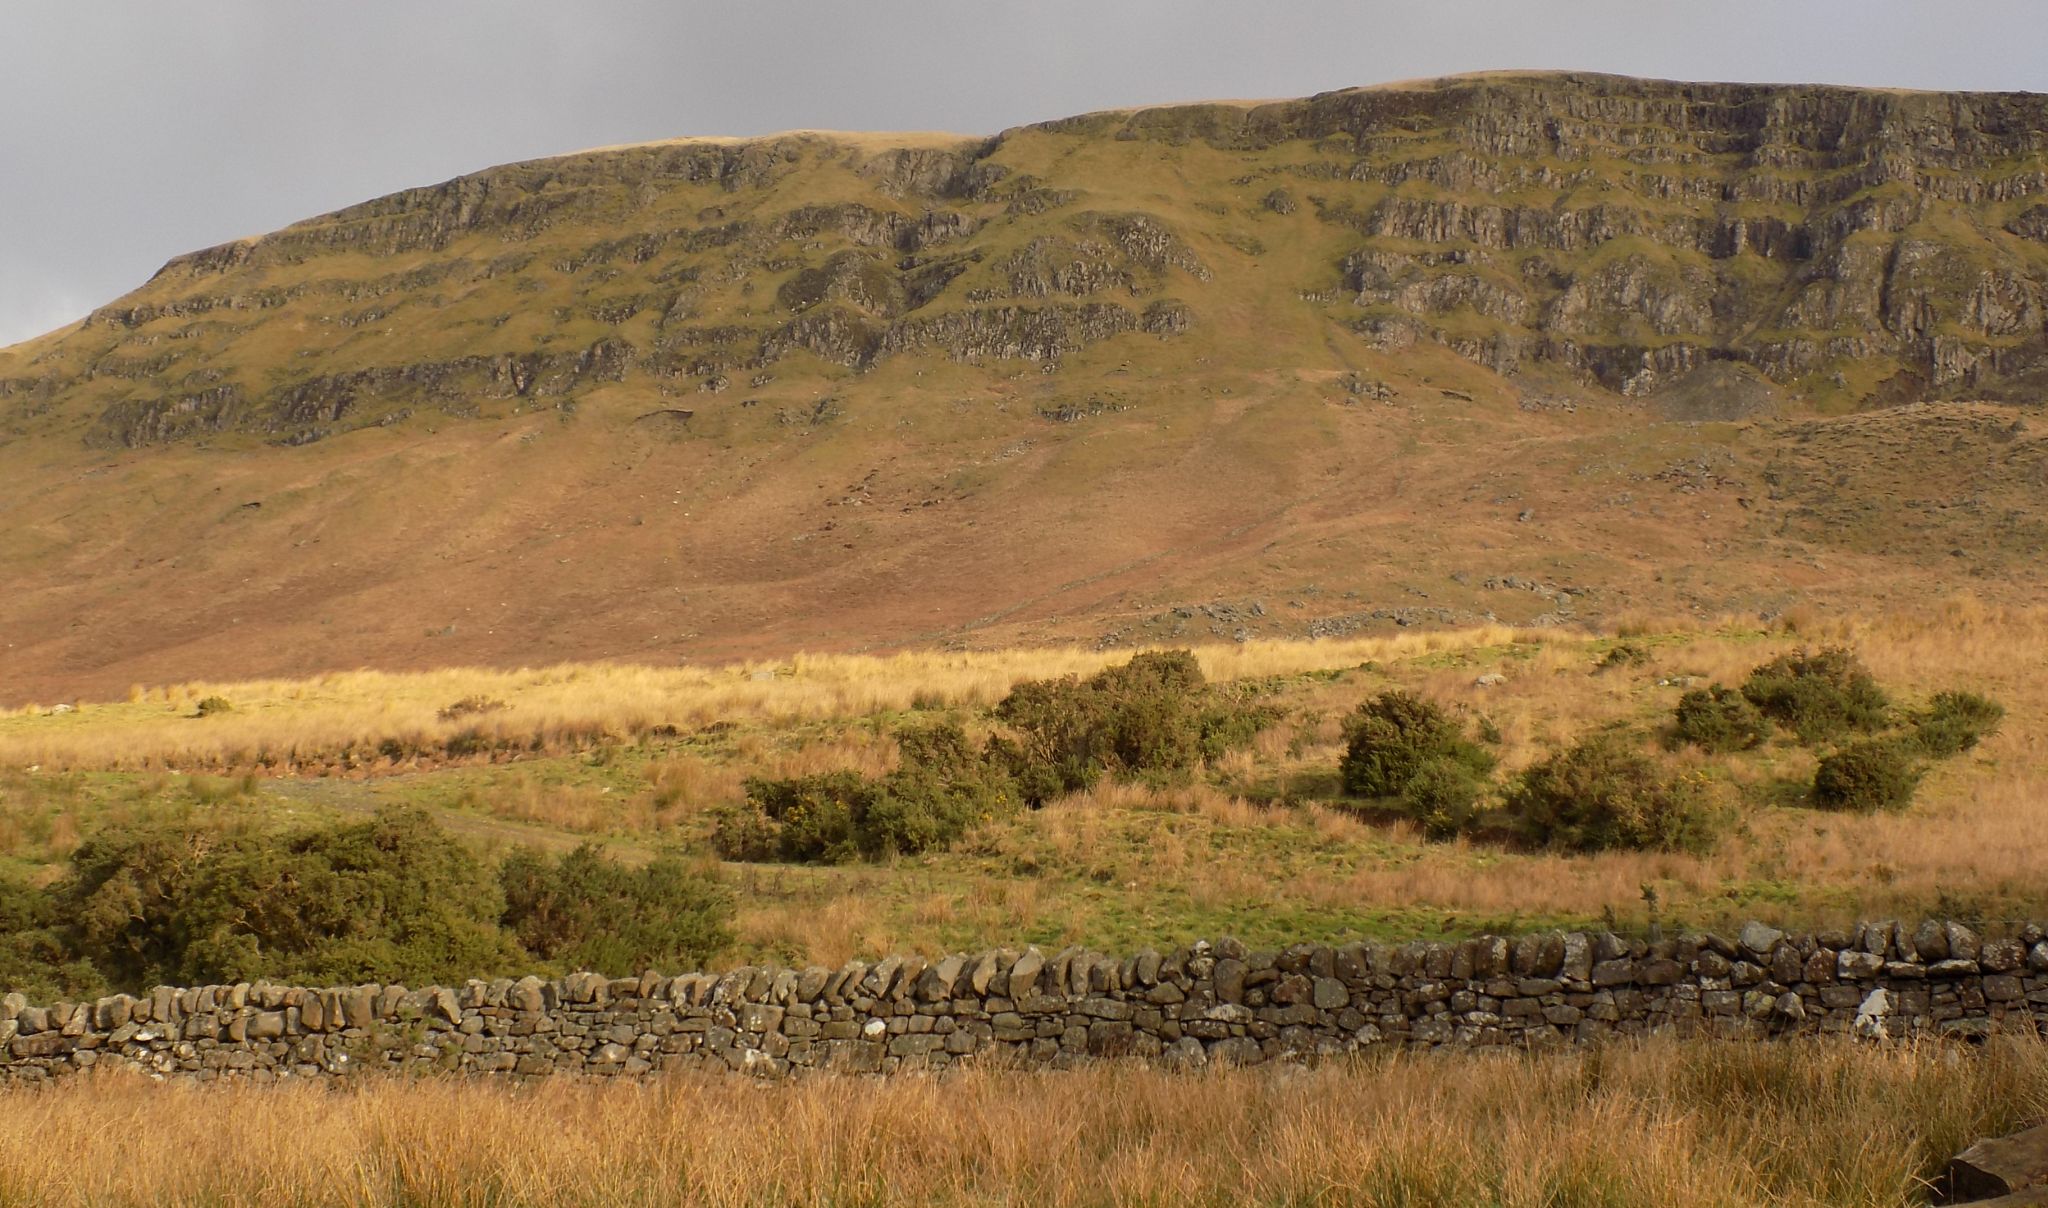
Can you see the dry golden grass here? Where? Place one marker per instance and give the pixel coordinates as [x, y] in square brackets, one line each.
[1124, 864]
[302, 720]
[1680, 1125]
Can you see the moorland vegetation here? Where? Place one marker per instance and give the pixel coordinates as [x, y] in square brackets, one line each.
[1439, 783]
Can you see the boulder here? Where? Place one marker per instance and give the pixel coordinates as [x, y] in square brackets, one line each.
[1999, 1166]
[526, 995]
[981, 973]
[1230, 980]
[1759, 939]
[1024, 974]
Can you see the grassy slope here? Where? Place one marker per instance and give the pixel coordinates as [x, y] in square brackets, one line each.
[939, 506]
[1259, 846]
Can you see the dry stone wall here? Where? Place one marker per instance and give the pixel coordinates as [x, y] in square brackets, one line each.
[1208, 1003]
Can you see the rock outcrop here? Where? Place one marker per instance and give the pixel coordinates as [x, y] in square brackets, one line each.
[1877, 243]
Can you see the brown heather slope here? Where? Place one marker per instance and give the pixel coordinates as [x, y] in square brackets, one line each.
[1417, 354]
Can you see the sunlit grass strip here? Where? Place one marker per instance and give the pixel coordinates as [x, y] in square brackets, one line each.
[1678, 1124]
[159, 727]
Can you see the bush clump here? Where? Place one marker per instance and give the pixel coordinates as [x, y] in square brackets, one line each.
[941, 788]
[1622, 655]
[1603, 794]
[33, 956]
[213, 705]
[1720, 720]
[587, 910]
[391, 899]
[1954, 722]
[1443, 796]
[1393, 735]
[1868, 776]
[1155, 716]
[1819, 695]
[395, 898]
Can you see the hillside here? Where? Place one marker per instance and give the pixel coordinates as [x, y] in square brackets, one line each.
[1538, 348]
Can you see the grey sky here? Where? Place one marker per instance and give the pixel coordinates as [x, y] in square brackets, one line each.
[133, 130]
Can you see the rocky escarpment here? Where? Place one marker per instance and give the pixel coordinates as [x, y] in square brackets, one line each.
[1862, 245]
[554, 244]
[1634, 231]
[1207, 1003]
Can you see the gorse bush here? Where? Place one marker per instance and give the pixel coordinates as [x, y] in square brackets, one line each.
[394, 898]
[1818, 696]
[1155, 716]
[588, 911]
[391, 899]
[33, 955]
[1443, 796]
[1621, 655]
[1602, 794]
[1393, 735]
[941, 788]
[1720, 720]
[1868, 776]
[1955, 722]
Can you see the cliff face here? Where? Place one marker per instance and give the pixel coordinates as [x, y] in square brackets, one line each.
[1865, 244]
[1267, 327]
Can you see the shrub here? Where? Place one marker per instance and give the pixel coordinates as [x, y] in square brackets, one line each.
[1154, 716]
[1623, 654]
[33, 957]
[1602, 794]
[1954, 722]
[391, 899]
[1864, 777]
[941, 788]
[1720, 720]
[797, 818]
[394, 898]
[588, 911]
[1818, 696]
[211, 705]
[1393, 735]
[1443, 796]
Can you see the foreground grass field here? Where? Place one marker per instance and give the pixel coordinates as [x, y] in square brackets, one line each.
[1262, 844]
[1672, 1124]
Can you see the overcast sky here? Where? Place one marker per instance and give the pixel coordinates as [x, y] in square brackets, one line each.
[133, 130]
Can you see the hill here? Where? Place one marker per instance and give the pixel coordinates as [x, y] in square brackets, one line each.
[1540, 348]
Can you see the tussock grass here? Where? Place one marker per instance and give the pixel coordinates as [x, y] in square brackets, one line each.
[1256, 846]
[298, 721]
[1678, 1124]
